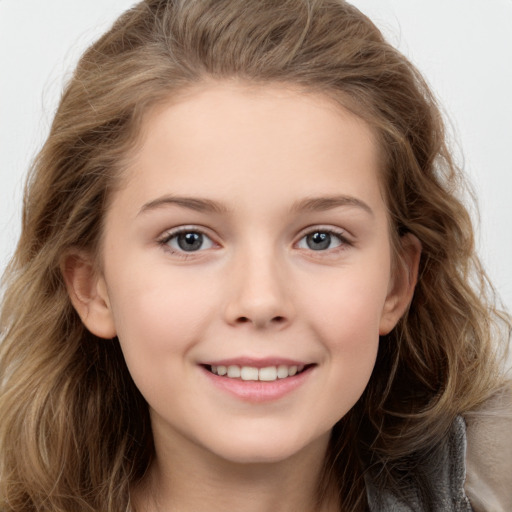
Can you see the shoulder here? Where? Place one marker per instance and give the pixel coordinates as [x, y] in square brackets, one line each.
[489, 454]
[433, 480]
[469, 471]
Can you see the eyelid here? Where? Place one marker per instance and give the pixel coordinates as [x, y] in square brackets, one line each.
[169, 234]
[188, 228]
[340, 233]
[163, 239]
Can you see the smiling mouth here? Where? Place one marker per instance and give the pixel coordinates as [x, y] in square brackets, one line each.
[251, 373]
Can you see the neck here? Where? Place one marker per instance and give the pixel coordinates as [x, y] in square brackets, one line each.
[186, 479]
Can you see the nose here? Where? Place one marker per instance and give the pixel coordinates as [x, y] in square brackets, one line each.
[259, 292]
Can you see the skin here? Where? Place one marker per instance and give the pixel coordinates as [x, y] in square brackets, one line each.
[255, 288]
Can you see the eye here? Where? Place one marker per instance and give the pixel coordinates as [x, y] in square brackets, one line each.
[322, 240]
[188, 240]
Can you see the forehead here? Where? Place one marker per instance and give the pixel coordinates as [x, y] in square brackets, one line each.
[222, 137]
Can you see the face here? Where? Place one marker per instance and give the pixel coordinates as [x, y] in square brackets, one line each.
[247, 270]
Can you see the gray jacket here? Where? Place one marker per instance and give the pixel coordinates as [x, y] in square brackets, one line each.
[471, 471]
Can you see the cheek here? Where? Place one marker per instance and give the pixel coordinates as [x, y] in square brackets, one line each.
[346, 318]
[348, 311]
[156, 318]
[351, 332]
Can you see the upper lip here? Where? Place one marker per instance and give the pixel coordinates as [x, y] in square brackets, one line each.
[256, 362]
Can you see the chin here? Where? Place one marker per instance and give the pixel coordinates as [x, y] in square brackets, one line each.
[266, 449]
[257, 456]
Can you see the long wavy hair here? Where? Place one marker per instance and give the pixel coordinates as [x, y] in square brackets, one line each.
[74, 429]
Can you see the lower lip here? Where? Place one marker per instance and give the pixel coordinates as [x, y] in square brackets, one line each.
[258, 391]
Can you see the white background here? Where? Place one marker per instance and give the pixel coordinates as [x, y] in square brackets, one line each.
[463, 47]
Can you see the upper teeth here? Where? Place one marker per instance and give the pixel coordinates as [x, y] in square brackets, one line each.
[268, 373]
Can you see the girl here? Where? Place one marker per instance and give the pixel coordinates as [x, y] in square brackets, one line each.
[245, 282]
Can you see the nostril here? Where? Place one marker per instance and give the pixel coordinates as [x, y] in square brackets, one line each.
[274, 320]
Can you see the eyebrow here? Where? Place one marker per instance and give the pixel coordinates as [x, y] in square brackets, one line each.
[315, 204]
[192, 203]
[208, 206]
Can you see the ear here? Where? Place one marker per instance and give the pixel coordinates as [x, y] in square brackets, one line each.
[88, 293]
[402, 284]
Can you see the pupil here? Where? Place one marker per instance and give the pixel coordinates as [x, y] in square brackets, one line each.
[190, 241]
[318, 241]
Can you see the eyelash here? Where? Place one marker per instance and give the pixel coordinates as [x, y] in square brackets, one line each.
[337, 233]
[167, 237]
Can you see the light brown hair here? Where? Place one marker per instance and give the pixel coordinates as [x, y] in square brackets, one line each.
[74, 430]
